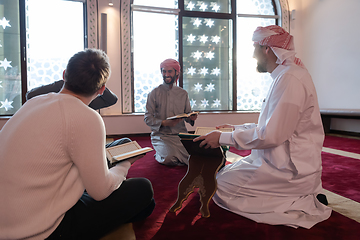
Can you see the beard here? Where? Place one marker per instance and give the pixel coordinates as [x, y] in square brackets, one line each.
[261, 68]
[173, 79]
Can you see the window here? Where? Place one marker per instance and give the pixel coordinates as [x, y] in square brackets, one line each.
[10, 59]
[252, 86]
[155, 40]
[208, 62]
[36, 41]
[212, 41]
[52, 38]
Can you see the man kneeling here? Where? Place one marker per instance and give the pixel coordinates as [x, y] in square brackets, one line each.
[280, 181]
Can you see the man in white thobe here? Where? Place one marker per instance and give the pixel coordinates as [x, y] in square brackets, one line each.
[278, 183]
[165, 101]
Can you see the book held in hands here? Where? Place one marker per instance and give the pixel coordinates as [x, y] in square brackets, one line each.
[125, 151]
[183, 115]
[199, 131]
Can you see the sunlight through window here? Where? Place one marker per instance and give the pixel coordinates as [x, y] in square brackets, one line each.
[52, 38]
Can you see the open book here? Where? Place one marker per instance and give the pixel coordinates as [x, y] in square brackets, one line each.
[124, 151]
[183, 115]
[199, 131]
[205, 130]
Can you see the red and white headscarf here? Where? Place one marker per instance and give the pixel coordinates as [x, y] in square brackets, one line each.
[170, 63]
[280, 41]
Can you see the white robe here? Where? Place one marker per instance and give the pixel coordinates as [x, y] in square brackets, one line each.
[278, 182]
[164, 102]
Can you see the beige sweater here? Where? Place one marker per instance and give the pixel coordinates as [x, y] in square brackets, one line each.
[50, 151]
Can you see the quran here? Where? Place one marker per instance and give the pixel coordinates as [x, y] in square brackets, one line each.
[205, 130]
[183, 115]
[199, 131]
[124, 151]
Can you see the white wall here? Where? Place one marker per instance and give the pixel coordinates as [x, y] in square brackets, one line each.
[113, 51]
[327, 38]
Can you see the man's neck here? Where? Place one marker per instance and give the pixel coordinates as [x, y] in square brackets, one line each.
[85, 100]
[169, 85]
[272, 67]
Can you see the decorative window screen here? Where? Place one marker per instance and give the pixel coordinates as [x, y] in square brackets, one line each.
[203, 36]
[10, 59]
[52, 38]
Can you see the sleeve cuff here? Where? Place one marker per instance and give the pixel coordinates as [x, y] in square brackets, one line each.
[226, 139]
[123, 167]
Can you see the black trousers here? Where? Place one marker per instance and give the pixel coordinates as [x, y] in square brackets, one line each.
[90, 219]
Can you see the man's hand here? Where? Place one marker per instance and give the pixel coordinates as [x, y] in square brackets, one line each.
[134, 159]
[193, 117]
[170, 122]
[131, 160]
[209, 140]
[226, 126]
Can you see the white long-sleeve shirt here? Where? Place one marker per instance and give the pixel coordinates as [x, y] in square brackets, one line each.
[50, 151]
[279, 181]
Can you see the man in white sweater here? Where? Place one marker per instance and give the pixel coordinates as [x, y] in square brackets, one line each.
[52, 150]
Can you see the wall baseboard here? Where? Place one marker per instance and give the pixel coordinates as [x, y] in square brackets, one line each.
[344, 133]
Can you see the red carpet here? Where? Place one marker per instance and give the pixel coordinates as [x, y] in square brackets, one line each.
[222, 224]
[345, 144]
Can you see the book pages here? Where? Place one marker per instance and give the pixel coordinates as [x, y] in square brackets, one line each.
[126, 150]
[205, 130]
[182, 115]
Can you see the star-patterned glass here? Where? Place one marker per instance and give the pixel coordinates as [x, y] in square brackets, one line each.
[47, 53]
[258, 7]
[207, 48]
[252, 86]
[214, 6]
[207, 51]
[10, 61]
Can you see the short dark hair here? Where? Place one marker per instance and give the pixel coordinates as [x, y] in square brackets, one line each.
[87, 71]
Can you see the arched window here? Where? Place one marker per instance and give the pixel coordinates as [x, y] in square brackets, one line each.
[212, 41]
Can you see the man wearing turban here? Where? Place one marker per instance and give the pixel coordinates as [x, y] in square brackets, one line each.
[279, 183]
[165, 101]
